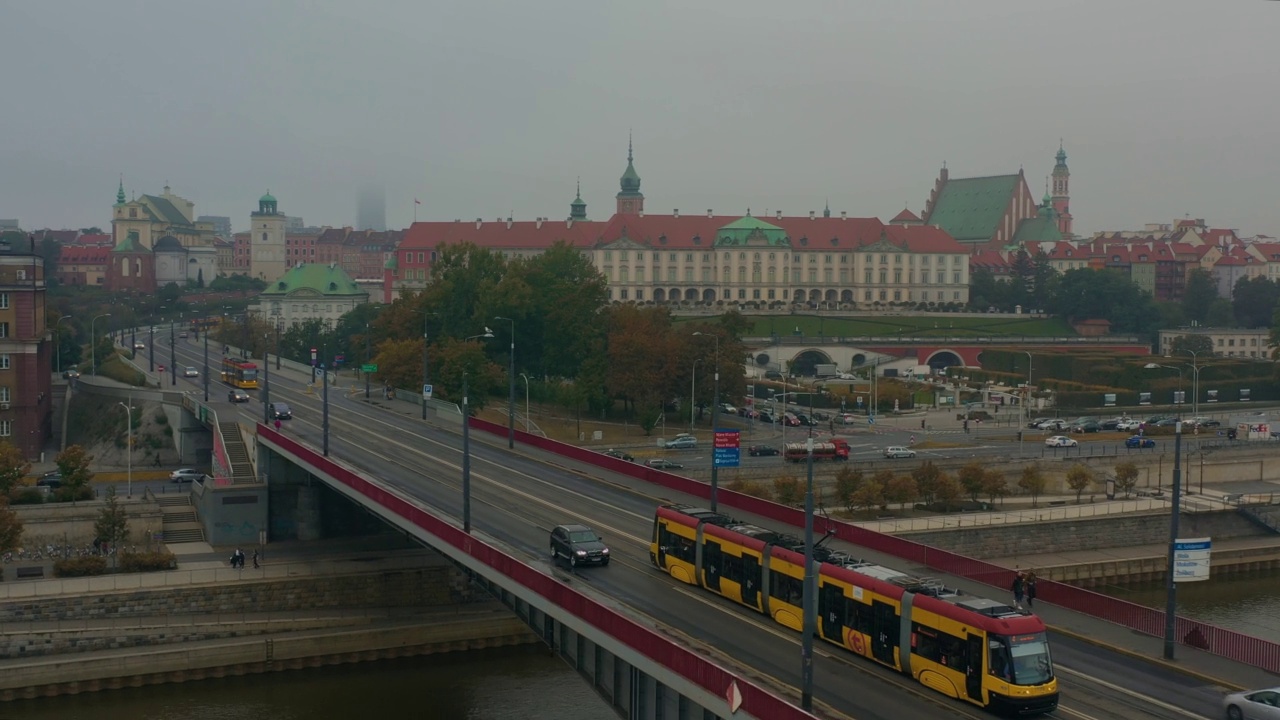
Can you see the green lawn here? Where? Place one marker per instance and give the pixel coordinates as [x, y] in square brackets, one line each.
[907, 325]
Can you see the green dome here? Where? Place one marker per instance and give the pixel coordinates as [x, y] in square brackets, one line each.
[267, 198]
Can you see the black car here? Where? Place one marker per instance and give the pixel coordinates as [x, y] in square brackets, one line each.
[280, 411]
[238, 396]
[51, 480]
[579, 545]
[756, 450]
[664, 464]
[619, 454]
[71, 374]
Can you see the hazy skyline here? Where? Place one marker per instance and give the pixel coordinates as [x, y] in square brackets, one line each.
[488, 109]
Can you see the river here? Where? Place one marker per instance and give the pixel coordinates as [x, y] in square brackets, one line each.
[1246, 603]
[500, 684]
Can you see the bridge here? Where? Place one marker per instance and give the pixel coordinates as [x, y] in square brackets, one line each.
[651, 646]
[853, 354]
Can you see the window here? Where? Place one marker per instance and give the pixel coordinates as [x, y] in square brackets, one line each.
[742, 274]
[706, 274]
[133, 213]
[5, 395]
[924, 261]
[884, 276]
[688, 257]
[826, 275]
[4, 361]
[826, 259]
[624, 275]
[771, 294]
[867, 276]
[897, 277]
[771, 256]
[742, 256]
[264, 237]
[955, 278]
[608, 273]
[813, 275]
[897, 259]
[742, 294]
[942, 277]
[688, 274]
[623, 255]
[671, 274]
[6, 428]
[897, 294]
[624, 293]
[4, 301]
[4, 331]
[884, 295]
[608, 255]
[755, 294]
[639, 294]
[867, 296]
[640, 255]
[772, 275]
[639, 274]
[1231, 342]
[6, 325]
[672, 257]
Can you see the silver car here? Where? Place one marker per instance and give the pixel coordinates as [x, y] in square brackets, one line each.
[1253, 705]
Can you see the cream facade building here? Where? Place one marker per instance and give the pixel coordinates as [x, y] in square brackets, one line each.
[267, 240]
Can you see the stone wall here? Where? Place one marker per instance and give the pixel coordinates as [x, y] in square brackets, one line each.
[1082, 534]
[425, 587]
[58, 522]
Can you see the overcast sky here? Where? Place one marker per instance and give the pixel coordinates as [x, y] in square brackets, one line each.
[484, 108]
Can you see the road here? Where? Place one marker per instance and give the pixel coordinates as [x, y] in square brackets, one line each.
[516, 499]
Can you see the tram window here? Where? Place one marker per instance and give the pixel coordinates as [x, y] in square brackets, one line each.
[678, 547]
[786, 588]
[861, 617]
[732, 568]
[926, 644]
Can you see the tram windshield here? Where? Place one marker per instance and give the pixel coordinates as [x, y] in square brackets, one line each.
[1021, 659]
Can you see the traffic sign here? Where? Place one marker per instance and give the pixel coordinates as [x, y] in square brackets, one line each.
[426, 392]
[369, 368]
[727, 448]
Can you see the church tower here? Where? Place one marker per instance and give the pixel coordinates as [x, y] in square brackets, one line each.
[630, 201]
[578, 208]
[267, 241]
[1062, 192]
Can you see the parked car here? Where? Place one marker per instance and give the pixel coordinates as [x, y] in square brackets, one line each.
[683, 441]
[190, 372]
[237, 396]
[847, 419]
[760, 450]
[71, 374]
[1167, 422]
[664, 464]
[728, 409]
[1138, 441]
[1111, 423]
[579, 545]
[279, 411]
[1036, 424]
[1088, 426]
[767, 417]
[619, 454]
[1204, 422]
[897, 451]
[1053, 424]
[51, 480]
[1253, 705]
[1057, 441]
[1128, 424]
[790, 420]
[182, 475]
[772, 375]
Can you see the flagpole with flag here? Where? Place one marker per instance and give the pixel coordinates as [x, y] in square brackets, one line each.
[416, 203]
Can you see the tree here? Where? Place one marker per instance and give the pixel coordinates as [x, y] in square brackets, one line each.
[994, 485]
[1079, 478]
[1198, 295]
[1202, 345]
[399, 362]
[869, 496]
[947, 490]
[1033, 481]
[926, 477]
[1253, 299]
[1220, 314]
[787, 490]
[1126, 477]
[13, 467]
[10, 527]
[73, 463]
[1044, 280]
[971, 478]
[902, 490]
[169, 294]
[848, 481]
[455, 357]
[112, 524]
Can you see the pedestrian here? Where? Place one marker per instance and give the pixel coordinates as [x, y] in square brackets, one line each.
[922, 423]
[913, 440]
[255, 560]
[239, 558]
[1019, 589]
[966, 426]
[157, 459]
[277, 424]
[1030, 590]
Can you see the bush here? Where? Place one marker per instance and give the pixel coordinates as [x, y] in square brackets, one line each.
[67, 494]
[750, 487]
[27, 496]
[80, 566]
[147, 561]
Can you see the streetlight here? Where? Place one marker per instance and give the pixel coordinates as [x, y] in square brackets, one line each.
[1026, 397]
[366, 360]
[1171, 587]
[128, 434]
[466, 442]
[206, 364]
[173, 353]
[426, 376]
[526, 401]
[1195, 382]
[58, 335]
[810, 589]
[715, 416]
[511, 389]
[693, 393]
[93, 344]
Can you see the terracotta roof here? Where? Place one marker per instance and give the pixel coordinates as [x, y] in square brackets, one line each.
[94, 239]
[83, 255]
[988, 259]
[905, 216]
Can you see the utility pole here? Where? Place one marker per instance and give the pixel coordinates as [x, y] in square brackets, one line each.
[426, 370]
[466, 458]
[324, 379]
[810, 589]
[206, 365]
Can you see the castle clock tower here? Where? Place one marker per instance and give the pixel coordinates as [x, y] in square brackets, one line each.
[267, 241]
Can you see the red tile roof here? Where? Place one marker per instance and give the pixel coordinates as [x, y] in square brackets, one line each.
[905, 216]
[83, 255]
[95, 239]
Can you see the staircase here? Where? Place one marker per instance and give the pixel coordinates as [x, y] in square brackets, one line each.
[179, 520]
[237, 453]
[1263, 516]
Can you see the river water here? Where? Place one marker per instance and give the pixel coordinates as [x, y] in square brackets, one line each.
[501, 684]
[1246, 603]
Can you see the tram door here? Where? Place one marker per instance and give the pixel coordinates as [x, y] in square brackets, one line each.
[884, 632]
[712, 564]
[831, 608]
[750, 581]
[973, 674]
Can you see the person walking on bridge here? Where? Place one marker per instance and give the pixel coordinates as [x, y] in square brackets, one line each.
[1019, 589]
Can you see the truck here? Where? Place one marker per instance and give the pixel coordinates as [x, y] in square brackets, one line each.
[825, 370]
[833, 449]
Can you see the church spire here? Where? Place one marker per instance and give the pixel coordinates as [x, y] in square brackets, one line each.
[578, 208]
[120, 191]
[826, 210]
[630, 200]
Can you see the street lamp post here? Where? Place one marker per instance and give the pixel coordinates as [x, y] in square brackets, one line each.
[466, 442]
[173, 353]
[511, 387]
[206, 364]
[1026, 410]
[715, 417]
[810, 589]
[1171, 587]
[1195, 382]
[426, 374]
[128, 434]
[324, 381]
[366, 360]
[526, 401]
[693, 393]
[93, 344]
[58, 337]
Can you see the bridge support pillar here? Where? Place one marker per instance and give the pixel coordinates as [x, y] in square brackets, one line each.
[308, 514]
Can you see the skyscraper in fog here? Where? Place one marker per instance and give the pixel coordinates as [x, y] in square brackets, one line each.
[371, 209]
